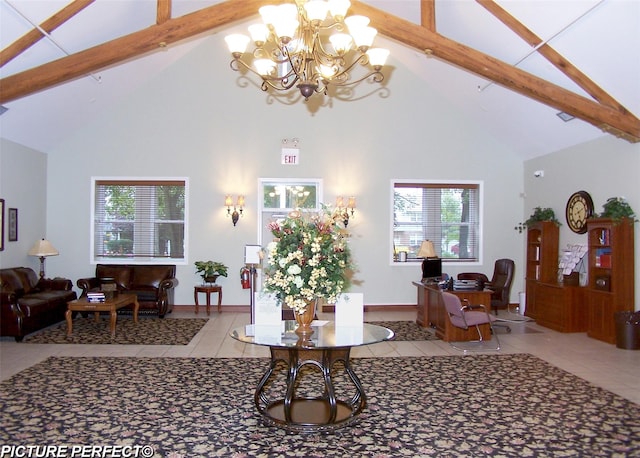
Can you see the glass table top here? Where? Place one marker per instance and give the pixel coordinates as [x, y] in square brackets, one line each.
[325, 335]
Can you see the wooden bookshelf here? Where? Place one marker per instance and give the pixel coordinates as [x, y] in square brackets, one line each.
[541, 261]
[611, 274]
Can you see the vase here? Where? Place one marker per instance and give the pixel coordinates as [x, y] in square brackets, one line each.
[304, 319]
[211, 279]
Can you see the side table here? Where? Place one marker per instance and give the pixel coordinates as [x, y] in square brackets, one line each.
[208, 289]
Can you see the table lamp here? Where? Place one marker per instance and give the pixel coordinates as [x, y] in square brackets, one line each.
[42, 249]
[432, 264]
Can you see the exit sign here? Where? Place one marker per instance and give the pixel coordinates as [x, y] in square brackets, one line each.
[290, 156]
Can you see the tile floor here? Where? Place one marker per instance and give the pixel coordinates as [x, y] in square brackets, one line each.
[604, 365]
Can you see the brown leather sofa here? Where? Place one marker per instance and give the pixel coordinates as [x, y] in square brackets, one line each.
[29, 304]
[153, 284]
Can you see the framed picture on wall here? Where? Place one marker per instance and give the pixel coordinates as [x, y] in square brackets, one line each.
[1, 224]
[12, 224]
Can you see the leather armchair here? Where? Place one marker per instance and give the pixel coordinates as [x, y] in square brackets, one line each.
[500, 282]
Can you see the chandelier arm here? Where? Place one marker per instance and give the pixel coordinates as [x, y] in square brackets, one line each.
[262, 53]
[377, 77]
[285, 84]
[342, 76]
[296, 66]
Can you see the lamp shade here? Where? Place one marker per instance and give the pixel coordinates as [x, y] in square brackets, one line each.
[43, 248]
[427, 250]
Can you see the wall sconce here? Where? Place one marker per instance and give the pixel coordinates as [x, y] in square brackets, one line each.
[343, 210]
[237, 208]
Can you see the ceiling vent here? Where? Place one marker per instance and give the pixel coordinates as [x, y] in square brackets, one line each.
[566, 117]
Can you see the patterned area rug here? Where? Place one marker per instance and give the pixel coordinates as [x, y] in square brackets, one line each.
[148, 331]
[444, 406]
[407, 330]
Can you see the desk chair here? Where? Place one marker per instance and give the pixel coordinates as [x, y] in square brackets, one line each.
[466, 316]
[500, 284]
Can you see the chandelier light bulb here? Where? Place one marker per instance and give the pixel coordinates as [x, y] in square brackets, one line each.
[377, 57]
[237, 43]
[338, 9]
[364, 37]
[285, 28]
[259, 34]
[341, 42]
[268, 13]
[264, 66]
[355, 23]
[316, 11]
[327, 72]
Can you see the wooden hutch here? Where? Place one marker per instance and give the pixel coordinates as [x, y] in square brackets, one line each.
[611, 274]
[550, 302]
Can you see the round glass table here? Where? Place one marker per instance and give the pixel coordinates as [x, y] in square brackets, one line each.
[327, 350]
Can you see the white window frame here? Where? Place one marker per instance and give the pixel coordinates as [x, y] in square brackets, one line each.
[138, 260]
[445, 261]
[265, 215]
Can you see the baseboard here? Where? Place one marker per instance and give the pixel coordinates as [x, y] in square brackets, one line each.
[376, 307]
[325, 308]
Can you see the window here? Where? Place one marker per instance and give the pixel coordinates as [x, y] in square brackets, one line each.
[448, 214]
[139, 220]
[280, 196]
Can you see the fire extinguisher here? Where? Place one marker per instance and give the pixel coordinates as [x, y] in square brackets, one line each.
[245, 278]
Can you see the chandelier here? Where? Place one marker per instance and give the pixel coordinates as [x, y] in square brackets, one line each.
[311, 45]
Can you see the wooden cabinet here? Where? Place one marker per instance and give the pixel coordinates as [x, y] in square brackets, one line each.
[562, 308]
[542, 252]
[611, 274]
[552, 304]
[431, 313]
[541, 261]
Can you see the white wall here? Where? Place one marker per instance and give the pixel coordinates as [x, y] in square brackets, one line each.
[607, 167]
[23, 184]
[194, 120]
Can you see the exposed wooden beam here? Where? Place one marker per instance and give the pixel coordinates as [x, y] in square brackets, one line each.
[163, 13]
[129, 46]
[604, 117]
[413, 35]
[552, 55]
[428, 14]
[35, 35]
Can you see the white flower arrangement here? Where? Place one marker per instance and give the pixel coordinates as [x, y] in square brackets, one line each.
[308, 259]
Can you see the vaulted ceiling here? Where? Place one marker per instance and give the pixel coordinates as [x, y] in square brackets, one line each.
[510, 65]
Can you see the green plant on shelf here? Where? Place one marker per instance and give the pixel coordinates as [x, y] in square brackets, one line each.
[617, 208]
[542, 214]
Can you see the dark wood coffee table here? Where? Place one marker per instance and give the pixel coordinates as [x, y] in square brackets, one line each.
[110, 305]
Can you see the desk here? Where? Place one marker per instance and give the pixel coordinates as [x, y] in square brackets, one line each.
[324, 348]
[431, 312]
[110, 305]
[208, 289]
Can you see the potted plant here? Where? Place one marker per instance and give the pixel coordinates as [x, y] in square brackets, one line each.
[617, 208]
[211, 270]
[542, 214]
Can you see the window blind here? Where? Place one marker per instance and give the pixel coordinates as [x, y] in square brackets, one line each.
[448, 214]
[139, 219]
